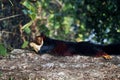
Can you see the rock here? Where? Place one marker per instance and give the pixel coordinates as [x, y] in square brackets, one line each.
[27, 65]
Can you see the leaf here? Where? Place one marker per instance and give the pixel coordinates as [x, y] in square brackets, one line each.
[28, 5]
[27, 30]
[33, 16]
[25, 44]
[57, 25]
[38, 4]
[118, 30]
[27, 25]
[67, 28]
[3, 50]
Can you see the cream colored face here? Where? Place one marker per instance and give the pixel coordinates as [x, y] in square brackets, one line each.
[37, 44]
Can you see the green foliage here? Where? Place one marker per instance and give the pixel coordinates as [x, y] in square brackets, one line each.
[25, 44]
[26, 27]
[97, 20]
[31, 11]
[0, 73]
[3, 50]
[102, 17]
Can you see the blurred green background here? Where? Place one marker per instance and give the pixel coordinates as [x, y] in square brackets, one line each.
[71, 20]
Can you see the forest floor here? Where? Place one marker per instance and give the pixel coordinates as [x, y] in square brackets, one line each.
[26, 65]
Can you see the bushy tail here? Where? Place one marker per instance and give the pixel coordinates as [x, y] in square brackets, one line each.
[112, 49]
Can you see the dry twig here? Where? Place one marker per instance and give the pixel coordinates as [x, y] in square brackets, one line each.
[10, 17]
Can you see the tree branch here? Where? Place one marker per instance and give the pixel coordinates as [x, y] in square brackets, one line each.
[10, 17]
